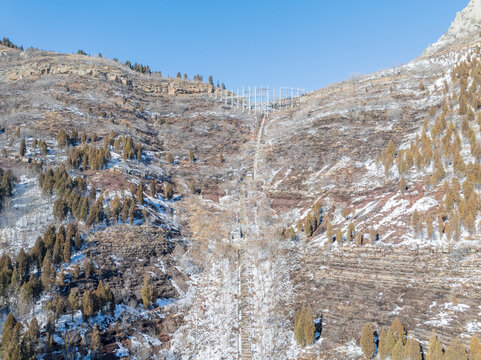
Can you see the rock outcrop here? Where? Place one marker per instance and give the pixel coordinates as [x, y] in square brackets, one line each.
[466, 26]
[34, 64]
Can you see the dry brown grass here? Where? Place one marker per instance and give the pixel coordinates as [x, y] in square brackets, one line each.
[208, 226]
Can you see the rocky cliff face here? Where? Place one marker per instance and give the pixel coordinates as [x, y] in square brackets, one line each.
[32, 65]
[466, 27]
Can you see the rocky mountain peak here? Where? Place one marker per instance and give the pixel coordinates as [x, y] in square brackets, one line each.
[466, 24]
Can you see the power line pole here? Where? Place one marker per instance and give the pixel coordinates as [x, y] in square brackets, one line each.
[267, 101]
[243, 99]
[275, 100]
[261, 96]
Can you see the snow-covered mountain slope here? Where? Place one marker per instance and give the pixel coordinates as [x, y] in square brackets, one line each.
[362, 203]
[323, 168]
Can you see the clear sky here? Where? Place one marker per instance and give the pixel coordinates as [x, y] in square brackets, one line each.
[302, 43]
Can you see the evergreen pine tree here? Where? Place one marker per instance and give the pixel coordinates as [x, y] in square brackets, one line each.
[132, 212]
[329, 232]
[298, 327]
[398, 329]
[34, 329]
[359, 239]
[8, 332]
[76, 271]
[339, 236]
[140, 194]
[14, 351]
[429, 227]
[67, 251]
[350, 232]
[415, 221]
[88, 266]
[147, 291]
[308, 225]
[61, 279]
[398, 350]
[456, 350]
[83, 347]
[84, 209]
[168, 191]
[88, 306]
[474, 347]
[96, 344]
[152, 188]
[402, 184]
[309, 327]
[57, 252]
[383, 350]
[73, 301]
[367, 341]
[22, 148]
[435, 349]
[48, 271]
[412, 351]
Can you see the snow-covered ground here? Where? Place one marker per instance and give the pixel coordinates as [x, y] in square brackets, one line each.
[25, 216]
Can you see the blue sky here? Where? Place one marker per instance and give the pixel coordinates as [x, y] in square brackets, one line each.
[303, 43]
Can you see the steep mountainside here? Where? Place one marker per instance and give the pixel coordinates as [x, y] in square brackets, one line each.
[184, 228]
[379, 177]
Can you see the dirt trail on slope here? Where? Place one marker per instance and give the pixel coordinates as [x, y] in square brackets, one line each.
[264, 281]
[238, 306]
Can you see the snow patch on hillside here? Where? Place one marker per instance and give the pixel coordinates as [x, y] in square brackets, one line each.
[25, 215]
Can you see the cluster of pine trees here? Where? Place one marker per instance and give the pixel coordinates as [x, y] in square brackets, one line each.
[315, 220]
[393, 343]
[6, 42]
[129, 150]
[439, 149]
[88, 157]
[102, 299]
[36, 270]
[198, 77]
[71, 197]
[41, 144]
[22, 282]
[65, 140]
[124, 208]
[312, 220]
[143, 69]
[304, 327]
[17, 343]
